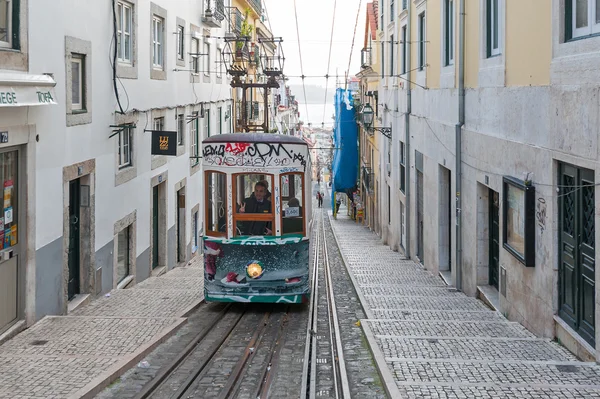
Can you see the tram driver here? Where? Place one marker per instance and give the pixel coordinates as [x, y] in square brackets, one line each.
[257, 203]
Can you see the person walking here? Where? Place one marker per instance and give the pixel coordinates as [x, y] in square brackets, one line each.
[320, 198]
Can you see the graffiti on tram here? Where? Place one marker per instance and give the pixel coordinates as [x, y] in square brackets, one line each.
[256, 155]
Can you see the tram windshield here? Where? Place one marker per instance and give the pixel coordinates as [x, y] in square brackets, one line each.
[292, 201]
[253, 205]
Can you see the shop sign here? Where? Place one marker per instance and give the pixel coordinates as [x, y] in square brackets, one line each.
[3, 137]
[164, 143]
[20, 96]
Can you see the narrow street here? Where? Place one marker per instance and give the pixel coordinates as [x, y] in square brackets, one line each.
[404, 333]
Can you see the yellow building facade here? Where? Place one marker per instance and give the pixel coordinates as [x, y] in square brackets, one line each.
[493, 106]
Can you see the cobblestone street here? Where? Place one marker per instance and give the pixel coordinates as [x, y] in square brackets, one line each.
[76, 355]
[431, 341]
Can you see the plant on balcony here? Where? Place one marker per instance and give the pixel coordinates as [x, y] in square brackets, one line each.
[245, 31]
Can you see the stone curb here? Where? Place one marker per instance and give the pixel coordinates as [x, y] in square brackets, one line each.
[107, 377]
[384, 371]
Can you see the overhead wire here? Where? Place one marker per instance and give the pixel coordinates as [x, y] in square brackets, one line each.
[300, 53]
[328, 62]
[352, 46]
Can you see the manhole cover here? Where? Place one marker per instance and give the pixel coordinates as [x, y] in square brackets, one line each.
[38, 342]
[563, 368]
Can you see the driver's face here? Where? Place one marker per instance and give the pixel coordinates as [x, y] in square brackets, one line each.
[259, 193]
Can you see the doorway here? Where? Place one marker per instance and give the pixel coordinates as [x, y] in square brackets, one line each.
[155, 229]
[74, 259]
[577, 229]
[445, 212]
[181, 246]
[494, 238]
[420, 216]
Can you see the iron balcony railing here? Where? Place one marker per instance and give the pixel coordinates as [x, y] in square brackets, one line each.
[365, 57]
[215, 8]
[368, 178]
[236, 19]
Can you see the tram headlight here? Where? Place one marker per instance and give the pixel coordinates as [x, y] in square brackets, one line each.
[254, 269]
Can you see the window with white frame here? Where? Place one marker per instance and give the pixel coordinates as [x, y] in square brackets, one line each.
[448, 32]
[77, 82]
[382, 60]
[6, 19]
[392, 46]
[124, 32]
[582, 18]
[382, 7]
[206, 55]
[421, 27]
[159, 123]
[194, 149]
[180, 128]
[206, 126]
[180, 42]
[402, 167]
[220, 121]
[194, 54]
[220, 63]
[404, 49]
[125, 149]
[391, 10]
[493, 27]
[157, 42]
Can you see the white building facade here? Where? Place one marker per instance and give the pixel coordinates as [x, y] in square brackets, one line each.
[88, 208]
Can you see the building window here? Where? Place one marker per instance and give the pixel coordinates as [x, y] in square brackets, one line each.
[402, 167]
[421, 28]
[220, 62]
[582, 18]
[206, 123]
[125, 150]
[206, 55]
[493, 27]
[157, 42]
[123, 259]
[180, 43]
[124, 32]
[194, 140]
[195, 56]
[389, 205]
[77, 82]
[383, 60]
[180, 128]
[404, 48]
[382, 7]
[220, 113]
[391, 10]
[6, 23]
[8, 174]
[159, 123]
[449, 32]
[195, 232]
[392, 55]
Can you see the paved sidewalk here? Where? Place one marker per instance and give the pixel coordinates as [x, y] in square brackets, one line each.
[431, 341]
[77, 355]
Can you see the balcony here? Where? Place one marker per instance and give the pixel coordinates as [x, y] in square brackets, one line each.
[365, 58]
[368, 178]
[257, 5]
[236, 19]
[213, 14]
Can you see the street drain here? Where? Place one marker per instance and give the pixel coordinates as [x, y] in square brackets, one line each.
[567, 368]
[432, 341]
[38, 342]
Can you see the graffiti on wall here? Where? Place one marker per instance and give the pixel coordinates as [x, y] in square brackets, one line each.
[540, 214]
[254, 155]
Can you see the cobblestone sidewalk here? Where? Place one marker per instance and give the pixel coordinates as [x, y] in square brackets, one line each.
[77, 355]
[431, 341]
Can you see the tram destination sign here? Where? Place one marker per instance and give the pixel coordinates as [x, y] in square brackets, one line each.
[164, 143]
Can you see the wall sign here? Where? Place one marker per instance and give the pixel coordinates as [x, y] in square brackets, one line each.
[519, 220]
[164, 143]
[3, 137]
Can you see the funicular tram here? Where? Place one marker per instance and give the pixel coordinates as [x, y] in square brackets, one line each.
[258, 218]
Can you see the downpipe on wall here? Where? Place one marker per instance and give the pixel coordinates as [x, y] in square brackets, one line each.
[407, 210]
[458, 133]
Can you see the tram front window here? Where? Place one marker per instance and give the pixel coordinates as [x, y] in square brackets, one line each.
[216, 193]
[254, 209]
[292, 198]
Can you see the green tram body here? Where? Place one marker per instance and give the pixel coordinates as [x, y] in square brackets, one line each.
[253, 251]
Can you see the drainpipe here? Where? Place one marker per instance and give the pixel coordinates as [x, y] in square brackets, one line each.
[407, 206]
[458, 133]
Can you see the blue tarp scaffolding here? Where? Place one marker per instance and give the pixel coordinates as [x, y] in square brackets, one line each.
[345, 142]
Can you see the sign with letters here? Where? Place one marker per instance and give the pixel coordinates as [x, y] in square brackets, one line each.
[164, 143]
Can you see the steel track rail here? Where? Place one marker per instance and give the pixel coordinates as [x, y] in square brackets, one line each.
[337, 350]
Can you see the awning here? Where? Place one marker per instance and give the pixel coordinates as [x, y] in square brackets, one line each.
[23, 90]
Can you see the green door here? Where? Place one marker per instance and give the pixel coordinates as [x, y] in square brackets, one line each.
[577, 250]
[155, 227]
[494, 238]
[74, 241]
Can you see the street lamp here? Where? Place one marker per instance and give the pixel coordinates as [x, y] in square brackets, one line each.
[367, 115]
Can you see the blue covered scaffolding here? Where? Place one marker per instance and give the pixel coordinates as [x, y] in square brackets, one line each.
[345, 142]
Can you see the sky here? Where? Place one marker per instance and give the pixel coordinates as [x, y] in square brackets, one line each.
[315, 19]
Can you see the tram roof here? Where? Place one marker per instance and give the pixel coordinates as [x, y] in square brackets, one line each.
[254, 138]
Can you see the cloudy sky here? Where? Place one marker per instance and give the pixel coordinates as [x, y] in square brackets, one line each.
[315, 19]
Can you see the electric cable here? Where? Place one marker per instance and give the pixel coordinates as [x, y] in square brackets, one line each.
[300, 53]
[352, 46]
[328, 62]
